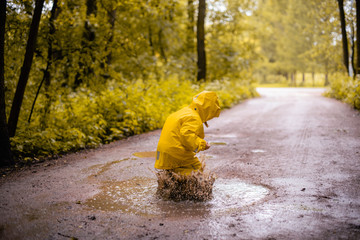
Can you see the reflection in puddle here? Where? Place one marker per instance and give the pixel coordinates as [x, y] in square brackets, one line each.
[137, 196]
[145, 154]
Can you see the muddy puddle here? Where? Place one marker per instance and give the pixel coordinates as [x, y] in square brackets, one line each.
[137, 197]
[218, 143]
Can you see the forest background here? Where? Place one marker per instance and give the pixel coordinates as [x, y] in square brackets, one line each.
[78, 74]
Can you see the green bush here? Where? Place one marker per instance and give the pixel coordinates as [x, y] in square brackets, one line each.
[345, 89]
[88, 118]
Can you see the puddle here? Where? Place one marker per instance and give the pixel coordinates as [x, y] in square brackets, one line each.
[222, 136]
[258, 151]
[218, 143]
[137, 196]
[99, 169]
[145, 154]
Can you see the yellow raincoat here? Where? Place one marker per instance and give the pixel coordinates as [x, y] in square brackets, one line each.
[183, 134]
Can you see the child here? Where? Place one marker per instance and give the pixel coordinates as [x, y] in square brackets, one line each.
[183, 132]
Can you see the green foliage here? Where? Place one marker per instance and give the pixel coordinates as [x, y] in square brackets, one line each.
[297, 36]
[121, 68]
[88, 118]
[345, 89]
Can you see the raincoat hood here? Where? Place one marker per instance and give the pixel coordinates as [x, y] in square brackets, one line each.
[206, 104]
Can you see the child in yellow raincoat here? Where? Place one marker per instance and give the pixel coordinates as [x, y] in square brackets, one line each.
[183, 134]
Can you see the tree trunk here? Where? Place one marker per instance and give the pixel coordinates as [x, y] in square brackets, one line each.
[326, 79]
[358, 35]
[201, 63]
[344, 35]
[47, 75]
[303, 78]
[161, 45]
[313, 78]
[293, 79]
[190, 26]
[5, 151]
[112, 18]
[352, 46]
[151, 44]
[25, 70]
[326, 74]
[86, 43]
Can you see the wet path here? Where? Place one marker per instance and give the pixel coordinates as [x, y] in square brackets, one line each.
[288, 167]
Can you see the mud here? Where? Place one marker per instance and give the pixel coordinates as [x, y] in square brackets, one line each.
[287, 166]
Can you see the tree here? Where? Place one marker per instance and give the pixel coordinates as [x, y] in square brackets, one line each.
[358, 36]
[344, 35]
[201, 62]
[49, 62]
[87, 42]
[5, 152]
[25, 70]
[297, 36]
[112, 18]
[230, 40]
[190, 25]
[326, 51]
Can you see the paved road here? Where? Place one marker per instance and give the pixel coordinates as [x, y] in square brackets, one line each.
[288, 167]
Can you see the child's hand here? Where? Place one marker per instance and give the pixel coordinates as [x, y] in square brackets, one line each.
[207, 146]
[203, 146]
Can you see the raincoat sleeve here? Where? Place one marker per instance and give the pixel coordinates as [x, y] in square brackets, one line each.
[188, 137]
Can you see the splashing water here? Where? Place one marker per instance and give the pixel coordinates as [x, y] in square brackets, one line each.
[196, 186]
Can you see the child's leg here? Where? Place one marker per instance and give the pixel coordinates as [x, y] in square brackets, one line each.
[186, 170]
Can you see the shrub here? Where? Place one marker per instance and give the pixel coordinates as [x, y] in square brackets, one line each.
[345, 89]
[89, 118]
